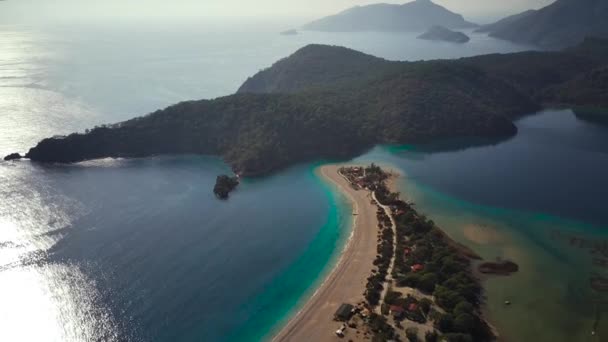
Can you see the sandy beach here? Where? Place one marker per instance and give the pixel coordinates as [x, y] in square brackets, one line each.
[346, 282]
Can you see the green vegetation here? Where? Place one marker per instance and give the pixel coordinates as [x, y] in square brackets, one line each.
[425, 259]
[429, 261]
[381, 329]
[331, 102]
[375, 283]
[589, 88]
[560, 24]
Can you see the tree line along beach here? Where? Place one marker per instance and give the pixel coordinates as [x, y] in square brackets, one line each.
[399, 277]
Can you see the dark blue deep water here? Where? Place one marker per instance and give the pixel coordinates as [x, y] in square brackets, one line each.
[554, 153]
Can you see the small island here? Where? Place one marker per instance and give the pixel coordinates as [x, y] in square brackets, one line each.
[224, 185]
[443, 34]
[13, 156]
[291, 32]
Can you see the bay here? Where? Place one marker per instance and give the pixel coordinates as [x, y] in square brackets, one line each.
[141, 250]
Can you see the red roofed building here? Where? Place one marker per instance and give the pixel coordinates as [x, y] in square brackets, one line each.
[412, 307]
[417, 268]
[396, 311]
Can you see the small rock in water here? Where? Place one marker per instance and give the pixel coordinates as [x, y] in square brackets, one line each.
[291, 32]
[13, 156]
[224, 185]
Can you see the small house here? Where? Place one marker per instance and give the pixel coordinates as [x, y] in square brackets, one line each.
[344, 312]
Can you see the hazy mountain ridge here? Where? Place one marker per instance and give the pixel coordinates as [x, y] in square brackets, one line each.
[418, 15]
[315, 66]
[503, 23]
[563, 23]
[285, 115]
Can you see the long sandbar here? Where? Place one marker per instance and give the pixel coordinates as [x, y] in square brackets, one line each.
[346, 282]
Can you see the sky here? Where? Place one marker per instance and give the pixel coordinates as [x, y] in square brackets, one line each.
[80, 9]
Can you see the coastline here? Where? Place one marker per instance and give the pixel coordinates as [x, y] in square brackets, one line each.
[346, 282]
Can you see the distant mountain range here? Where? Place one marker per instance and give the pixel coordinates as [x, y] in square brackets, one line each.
[563, 23]
[418, 15]
[503, 23]
[327, 102]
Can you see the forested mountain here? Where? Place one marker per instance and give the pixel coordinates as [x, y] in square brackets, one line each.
[563, 23]
[417, 15]
[332, 102]
[503, 23]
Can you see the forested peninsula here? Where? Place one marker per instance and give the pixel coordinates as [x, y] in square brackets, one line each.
[331, 102]
[560, 24]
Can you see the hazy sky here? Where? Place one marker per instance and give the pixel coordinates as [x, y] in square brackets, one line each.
[28, 9]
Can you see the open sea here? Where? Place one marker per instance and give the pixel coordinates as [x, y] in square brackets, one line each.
[140, 250]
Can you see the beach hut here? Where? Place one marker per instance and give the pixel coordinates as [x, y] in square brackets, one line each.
[344, 312]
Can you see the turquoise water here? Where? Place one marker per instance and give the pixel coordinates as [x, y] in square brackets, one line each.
[551, 294]
[140, 250]
[290, 291]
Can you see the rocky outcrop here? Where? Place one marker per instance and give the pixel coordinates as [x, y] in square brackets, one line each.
[224, 185]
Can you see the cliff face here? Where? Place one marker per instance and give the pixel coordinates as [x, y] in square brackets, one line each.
[413, 16]
[349, 103]
[563, 23]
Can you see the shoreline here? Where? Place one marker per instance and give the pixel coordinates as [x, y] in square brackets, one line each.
[346, 282]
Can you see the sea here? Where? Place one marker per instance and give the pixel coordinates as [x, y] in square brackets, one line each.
[141, 250]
